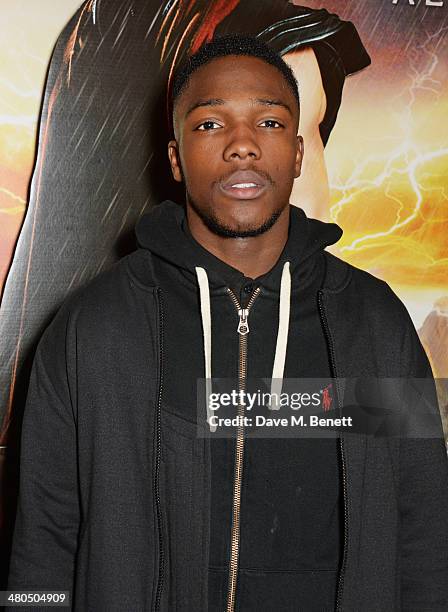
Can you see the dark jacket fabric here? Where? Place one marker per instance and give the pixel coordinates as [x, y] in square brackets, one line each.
[116, 487]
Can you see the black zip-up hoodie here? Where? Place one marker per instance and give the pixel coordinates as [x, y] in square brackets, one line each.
[116, 488]
[289, 549]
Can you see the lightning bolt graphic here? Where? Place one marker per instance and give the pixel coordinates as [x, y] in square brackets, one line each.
[406, 161]
[12, 210]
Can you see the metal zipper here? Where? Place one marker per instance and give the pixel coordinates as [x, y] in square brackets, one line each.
[243, 330]
[341, 444]
[157, 460]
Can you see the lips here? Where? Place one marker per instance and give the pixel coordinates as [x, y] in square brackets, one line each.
[244, 185]
[244, 177]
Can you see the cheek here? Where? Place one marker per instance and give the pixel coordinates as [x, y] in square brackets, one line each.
[203, 165]
[281, 154]
[284, 169]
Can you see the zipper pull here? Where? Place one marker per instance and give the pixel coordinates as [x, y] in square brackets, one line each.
[243, 325]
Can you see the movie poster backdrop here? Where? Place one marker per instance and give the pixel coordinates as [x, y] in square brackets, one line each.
[372, 77]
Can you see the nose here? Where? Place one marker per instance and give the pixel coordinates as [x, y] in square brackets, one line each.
[242, 144]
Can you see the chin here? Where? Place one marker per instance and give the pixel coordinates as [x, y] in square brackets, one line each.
[231, 217]
[244, 225]
[247, 211]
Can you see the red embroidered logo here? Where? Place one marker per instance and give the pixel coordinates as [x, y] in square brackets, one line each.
[327, 399]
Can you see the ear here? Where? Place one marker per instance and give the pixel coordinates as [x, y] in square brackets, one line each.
[173, 155]
[299, 156]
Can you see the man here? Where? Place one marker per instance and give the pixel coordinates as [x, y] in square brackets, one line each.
[121, 501]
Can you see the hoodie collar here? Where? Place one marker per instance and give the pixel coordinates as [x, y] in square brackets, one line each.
[164, 231]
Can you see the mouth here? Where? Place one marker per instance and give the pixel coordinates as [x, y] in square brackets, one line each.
[244, 185]
[244, 191]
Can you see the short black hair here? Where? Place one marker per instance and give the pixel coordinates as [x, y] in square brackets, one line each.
[232, 44]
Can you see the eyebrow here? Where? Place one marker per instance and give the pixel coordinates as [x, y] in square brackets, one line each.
[273, 102]
[221, 102]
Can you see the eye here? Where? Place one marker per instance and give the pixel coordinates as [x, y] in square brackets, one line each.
[271, 122]
[208, 125]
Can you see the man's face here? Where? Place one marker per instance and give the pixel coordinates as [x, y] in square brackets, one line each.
[236, 146]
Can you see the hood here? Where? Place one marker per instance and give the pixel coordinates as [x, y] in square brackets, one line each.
[165, 233]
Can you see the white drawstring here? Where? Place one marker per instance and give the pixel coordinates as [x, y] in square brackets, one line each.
[282, 337]
[204, 293]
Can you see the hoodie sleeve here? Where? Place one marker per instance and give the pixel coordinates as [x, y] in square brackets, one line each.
[423, 499]
[48, 516]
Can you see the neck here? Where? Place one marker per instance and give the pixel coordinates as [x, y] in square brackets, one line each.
[253, 256]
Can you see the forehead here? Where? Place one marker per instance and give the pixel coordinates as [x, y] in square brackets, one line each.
[235, 75]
